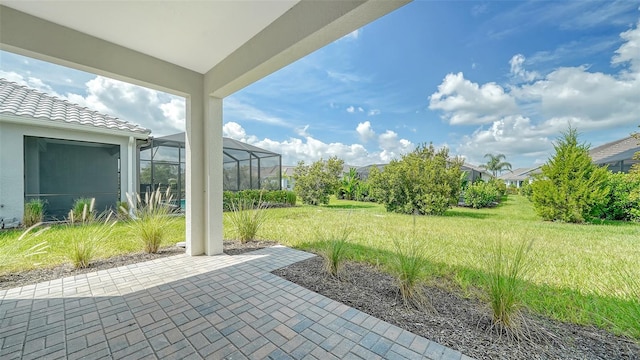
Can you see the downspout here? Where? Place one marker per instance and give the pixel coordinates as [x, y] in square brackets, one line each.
[131, 158]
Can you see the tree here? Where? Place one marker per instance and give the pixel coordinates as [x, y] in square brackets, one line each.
[316, 182]
[495, 164]
[570, 188]
[349, 185]
[425, 181]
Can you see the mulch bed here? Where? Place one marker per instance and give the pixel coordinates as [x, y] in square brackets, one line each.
[459, 323]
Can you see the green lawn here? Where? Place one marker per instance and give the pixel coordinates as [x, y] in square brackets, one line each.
[577, 267]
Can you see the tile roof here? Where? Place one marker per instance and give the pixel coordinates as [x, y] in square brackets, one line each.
[21, 101]
[614, 151]
[520, 173]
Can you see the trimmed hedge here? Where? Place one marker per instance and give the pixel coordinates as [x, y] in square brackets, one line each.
[269, 198]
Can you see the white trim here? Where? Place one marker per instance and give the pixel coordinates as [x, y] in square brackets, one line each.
[27, 120]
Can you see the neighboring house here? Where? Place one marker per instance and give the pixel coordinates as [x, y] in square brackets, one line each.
[616, 155]
[475, 173]
[58, 151]
[519, 176]
[287, 177]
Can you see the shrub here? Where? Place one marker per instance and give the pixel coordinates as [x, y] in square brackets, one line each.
[500, 186]
[316, 182]
[505, 281]
[266, 198]
[622, 202]
[480, 195]
[526, 189]
[570, 188]
[151, 218]
[33, 212]
[333, 250]
[408, 267]
[246, 219]
[348, 185]
[425, 181]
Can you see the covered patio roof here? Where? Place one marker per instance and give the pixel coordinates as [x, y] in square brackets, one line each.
[201, 50]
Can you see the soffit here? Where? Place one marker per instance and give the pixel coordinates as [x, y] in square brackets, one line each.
[195, 35]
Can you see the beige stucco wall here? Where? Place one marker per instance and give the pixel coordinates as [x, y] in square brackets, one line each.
[12, 161]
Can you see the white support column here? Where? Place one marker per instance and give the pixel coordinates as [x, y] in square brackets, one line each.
[194, 176]
[131, 169]
[213, 176]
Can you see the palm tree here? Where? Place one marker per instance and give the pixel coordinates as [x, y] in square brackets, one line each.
[495, 164]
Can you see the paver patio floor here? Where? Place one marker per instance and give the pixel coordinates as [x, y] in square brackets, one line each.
[180, 307]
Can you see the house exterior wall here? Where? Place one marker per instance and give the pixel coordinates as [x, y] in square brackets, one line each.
[12, 161]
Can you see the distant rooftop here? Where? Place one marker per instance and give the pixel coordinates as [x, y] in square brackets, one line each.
[21, 101]
[614, 151]
[227, 143]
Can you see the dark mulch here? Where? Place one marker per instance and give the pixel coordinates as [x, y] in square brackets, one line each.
[35, 276]
[459, 323]
[236, 247]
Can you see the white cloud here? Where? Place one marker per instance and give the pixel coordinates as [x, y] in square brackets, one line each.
[354, 35]
[360, 109]
[535, 112]
[241, 110]
[517, 69]
[629, 52]
[373, 112]
[351, 109]
[365, 132]
[303, 131]
[31, 82]
[160, 112]
[310, 149]
[464, 102]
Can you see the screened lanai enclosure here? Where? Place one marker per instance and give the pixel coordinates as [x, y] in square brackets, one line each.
[61, 171]
[162, 165]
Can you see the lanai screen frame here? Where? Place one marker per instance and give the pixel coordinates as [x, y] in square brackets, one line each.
[235, 153]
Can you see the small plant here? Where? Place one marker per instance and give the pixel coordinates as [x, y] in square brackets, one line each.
[333, 251]
[123, 209]
[87, 237]
[505, 286]
[150, 218]
[12, 254]
[409, 266]
[33, 212]
[247, 218]
[83, 209]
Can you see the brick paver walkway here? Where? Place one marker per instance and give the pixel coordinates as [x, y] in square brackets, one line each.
[182, 307]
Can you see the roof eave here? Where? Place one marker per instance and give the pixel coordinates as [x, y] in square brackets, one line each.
[27, 120]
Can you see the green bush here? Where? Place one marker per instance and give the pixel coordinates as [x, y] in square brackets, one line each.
[570, 188]
[266, 198]
[500, 186]
[480, 195]
[33, 212]
[425, 182]
[526, 189]
[622, 202]
[316, 182]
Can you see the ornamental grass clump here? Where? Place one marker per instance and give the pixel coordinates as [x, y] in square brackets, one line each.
[33, 212]
[13, 252]
[89, 232]
[83, 209]
[150, 219]
[505, 285]
[246, 218]
[409, 266]
[333, 250]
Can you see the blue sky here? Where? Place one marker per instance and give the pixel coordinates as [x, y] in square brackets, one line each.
[478, 77]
